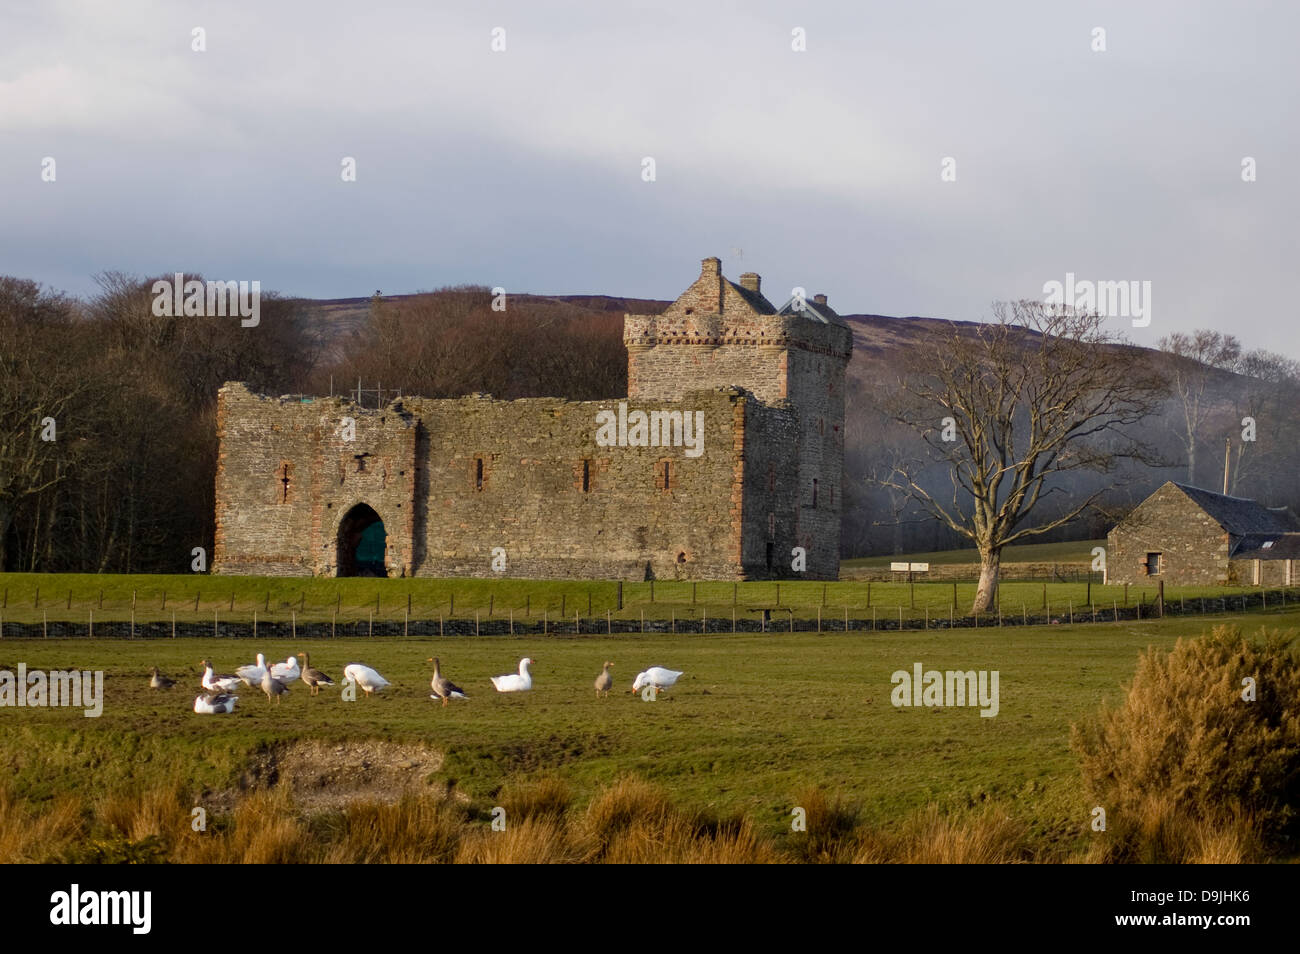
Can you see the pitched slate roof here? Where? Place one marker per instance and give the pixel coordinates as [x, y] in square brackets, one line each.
[1284, 546]
[1236, 515]
[813, 311]
[754, 299]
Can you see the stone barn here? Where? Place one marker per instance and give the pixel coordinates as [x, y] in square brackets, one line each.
[1187, 536]
[726, 455]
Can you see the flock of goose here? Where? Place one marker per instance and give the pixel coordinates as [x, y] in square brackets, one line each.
[218, 696]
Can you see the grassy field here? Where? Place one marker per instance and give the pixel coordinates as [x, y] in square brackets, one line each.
[1071, 551]
[755, 720]
[83, 598]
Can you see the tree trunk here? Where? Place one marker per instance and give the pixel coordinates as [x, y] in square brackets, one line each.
[987, 592]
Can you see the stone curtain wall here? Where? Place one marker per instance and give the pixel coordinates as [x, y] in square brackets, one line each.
[1194, 547]
[262, 531]
[421, 476]
[533, 505]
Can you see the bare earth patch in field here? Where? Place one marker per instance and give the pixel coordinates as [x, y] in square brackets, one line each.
[326, 776]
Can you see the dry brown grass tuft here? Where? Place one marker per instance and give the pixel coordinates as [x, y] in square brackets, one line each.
[28, 836]
[830, 823]
[532, 841]
[545, 797]
[418, 829]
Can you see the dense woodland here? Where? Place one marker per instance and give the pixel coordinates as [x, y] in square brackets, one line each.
[126, 483]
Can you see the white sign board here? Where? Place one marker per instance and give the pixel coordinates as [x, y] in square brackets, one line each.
[910, 567]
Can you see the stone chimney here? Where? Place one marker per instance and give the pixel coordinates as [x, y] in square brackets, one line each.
[819, 299]
[750, 282]
[711, 266]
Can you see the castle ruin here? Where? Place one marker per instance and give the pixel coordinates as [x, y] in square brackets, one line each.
[726, 455]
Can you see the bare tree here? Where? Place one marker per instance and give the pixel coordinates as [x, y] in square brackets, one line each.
[1195, 359]
[1009, 409]
[1267, 396]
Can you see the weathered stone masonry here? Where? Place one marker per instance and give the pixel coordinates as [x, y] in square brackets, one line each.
[453, 479]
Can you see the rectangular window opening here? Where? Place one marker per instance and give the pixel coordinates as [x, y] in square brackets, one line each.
[1153, 564]
[586, 476]
[814, 493]
[478, 473]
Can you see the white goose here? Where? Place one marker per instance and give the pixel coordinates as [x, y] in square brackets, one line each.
[656, 676]
[252, 675]
[287, 671]
[521, 682]
[365, 677]
[215, 703]
[215, 683]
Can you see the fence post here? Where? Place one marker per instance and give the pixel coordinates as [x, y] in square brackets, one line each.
[869, 596]
[620, 596]
[733, 614]
[173, 624]
[512, 622]
[372, 623]
[91, 629]
[255, 624]
[1161, 587]
[609, 624]
[293, 623]
[475, 622]
[45, 625]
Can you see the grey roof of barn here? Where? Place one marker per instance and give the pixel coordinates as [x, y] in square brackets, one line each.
[1237, 515]
[1284, 546]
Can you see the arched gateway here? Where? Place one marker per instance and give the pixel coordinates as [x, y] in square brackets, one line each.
[362, 543]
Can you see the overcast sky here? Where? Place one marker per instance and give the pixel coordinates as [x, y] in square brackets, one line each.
[524, 168]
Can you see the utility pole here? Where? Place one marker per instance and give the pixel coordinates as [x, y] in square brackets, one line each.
[1227, 456]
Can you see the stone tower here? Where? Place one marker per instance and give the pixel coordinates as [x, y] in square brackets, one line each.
[720, 334]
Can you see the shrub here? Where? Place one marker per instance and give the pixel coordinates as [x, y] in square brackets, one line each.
[1185, 735]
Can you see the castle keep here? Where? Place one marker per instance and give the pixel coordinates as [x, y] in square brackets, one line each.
[727, 453]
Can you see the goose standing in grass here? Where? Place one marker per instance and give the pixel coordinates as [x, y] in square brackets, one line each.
[287, 671]
[656, 676]
[605, 681]
[444, 688]
[515, 682]
[313, 677]
[159, 681]
[252, 674]
[273, 687]
[365, 677]
[218, 683]
[215, 703]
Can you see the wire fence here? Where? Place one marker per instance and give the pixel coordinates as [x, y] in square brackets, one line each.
[701, 621]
